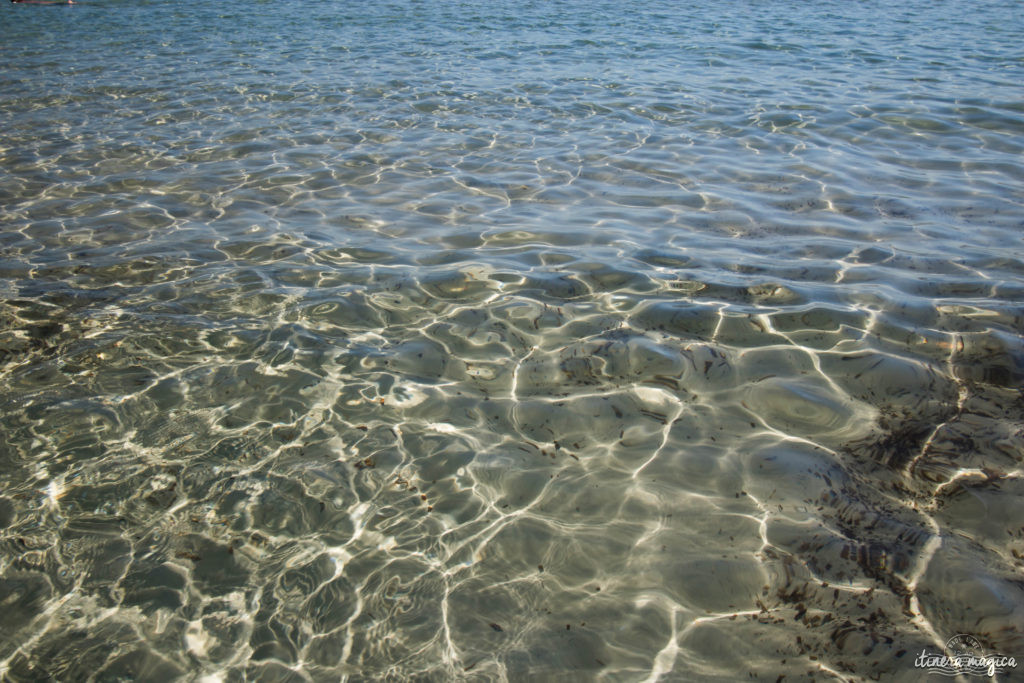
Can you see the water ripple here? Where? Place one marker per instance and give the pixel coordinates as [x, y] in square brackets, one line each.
[505, 342]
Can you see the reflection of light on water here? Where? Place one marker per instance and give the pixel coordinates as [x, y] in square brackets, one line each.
[54, 491]
[443, 428]
[316, 379]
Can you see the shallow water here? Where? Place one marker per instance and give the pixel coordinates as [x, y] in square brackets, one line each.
[446, 341]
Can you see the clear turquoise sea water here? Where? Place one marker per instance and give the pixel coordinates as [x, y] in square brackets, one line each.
[505, 341]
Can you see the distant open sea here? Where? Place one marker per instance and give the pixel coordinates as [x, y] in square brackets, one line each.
[505, 341]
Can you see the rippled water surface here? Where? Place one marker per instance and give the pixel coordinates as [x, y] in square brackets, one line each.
[490, 341]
